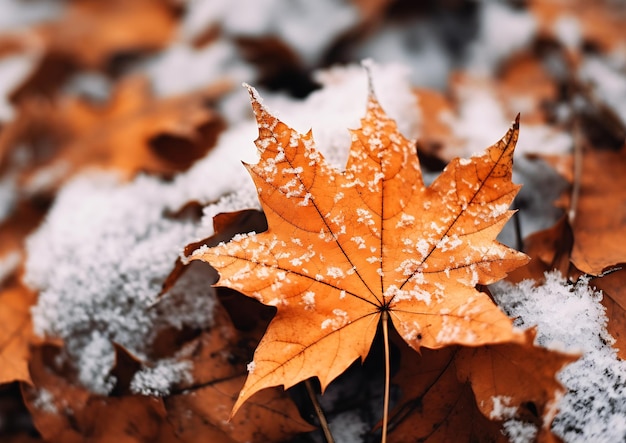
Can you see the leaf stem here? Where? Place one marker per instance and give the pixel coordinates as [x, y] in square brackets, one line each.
[385, 321]
[319, 412]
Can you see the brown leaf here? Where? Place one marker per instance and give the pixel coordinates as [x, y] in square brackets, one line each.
[200, 411]
[343, 248]
[436, 137]
[65, 413]
[16, 332]
[548, 249]
[52, 400]
[525, 86]
[601, 23]
[435, 405]
[133, 132]
[599, 228]
[613, 286]
[92, 32]
[464, 393]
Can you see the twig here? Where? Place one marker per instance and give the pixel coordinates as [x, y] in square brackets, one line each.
[319, 412]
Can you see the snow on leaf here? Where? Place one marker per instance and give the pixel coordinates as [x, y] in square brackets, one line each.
[384, 207]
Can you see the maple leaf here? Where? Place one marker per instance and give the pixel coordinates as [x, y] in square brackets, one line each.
[344, 249]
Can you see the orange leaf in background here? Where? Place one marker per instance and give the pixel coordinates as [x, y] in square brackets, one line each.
[599, 228]
[133, 132]
[200, 411]
[600, 23]
[345, 248]
[92, 32]
[16, 332]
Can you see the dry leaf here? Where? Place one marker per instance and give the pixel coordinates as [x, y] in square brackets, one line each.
[548, 249]
[92, 32]
[599, 23]
[526, 86]
[64, 413]
[200, 411]
[464, 393]
[599, 228]
[133, 132]
[16, 332]
[436, 406]
[613, 286]
[344, 248]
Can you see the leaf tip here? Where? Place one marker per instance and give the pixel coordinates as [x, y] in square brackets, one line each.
[256, 100]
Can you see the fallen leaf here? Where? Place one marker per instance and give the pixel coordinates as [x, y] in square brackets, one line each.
[65, 413]
[345, 248]
[613, 286]
[598, 228]
[465, 393]
[51, 399]
[525, 86]
[600, 24]
[200, 411]
[93, 33]
[133, 132]
[548, 249]
[435, 404]
[436, 136]
[16, 331]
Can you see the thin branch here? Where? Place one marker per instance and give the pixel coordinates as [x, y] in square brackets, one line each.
[319, 412]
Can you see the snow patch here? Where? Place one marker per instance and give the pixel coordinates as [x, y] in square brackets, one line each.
[594, 406]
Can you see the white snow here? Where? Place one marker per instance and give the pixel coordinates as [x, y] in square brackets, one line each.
[13, 70]
[503, 31]
[99, 260]
[19, 13]
[608, 83]
[158, 379]
[307, 27]
[214, 62]
[571, 318]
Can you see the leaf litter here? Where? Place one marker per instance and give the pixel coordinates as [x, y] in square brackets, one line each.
[577, 47]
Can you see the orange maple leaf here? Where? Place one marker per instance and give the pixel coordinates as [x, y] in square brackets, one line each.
[345, 249]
